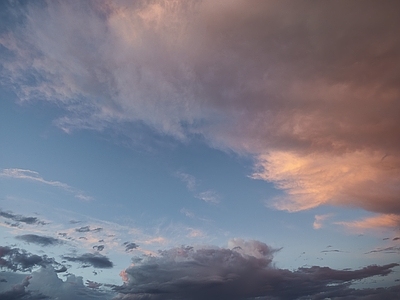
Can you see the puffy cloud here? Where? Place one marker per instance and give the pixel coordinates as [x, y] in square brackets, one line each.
[17, 259]
[245, 271]
[19, 291]
[95, 260]
[310, 89]
[130, 246]
[38, 239]
[45, 284]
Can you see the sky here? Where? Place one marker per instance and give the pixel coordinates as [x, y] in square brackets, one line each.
[199, 150]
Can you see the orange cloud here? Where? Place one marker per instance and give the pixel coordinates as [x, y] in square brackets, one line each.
[362, 178]
[384, 220]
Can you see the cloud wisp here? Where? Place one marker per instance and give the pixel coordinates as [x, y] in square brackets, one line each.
[35, 176]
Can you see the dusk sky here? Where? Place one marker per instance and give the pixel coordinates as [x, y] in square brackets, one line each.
[205, 149]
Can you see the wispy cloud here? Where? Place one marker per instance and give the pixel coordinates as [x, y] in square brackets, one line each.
[35, 176]
[190, 180]
[319, 219]
[321, 121]
[192, 184]
[379, 221]
[208, 196]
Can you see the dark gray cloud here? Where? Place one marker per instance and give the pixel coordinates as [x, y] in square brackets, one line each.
[87, 229]
[94, 260]
[17, 259]
[98, 247]
[391, 249]
[244, 272]
[130, 246]
[39, 239]
[21, 219]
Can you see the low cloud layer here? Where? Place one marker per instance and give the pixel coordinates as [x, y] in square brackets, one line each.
[244, 271]
[310, 90]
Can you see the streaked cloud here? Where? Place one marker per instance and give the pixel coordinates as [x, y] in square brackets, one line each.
[209, 196]
[35, 176]
[190, 180]
[378, 221]
[21, 219]
[95, 260]
[39, 239]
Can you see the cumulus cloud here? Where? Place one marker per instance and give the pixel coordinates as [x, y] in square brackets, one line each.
[95, 260]
[34, 176]
[243, 271]
[309, 89]
[38, 239]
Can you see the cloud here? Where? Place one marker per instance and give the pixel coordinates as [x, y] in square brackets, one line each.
[391, 249]
[190, 180]
[22, 219]
[246, 271]
[378, 221]
[19, 291]
[38, 239]
[34, 176]
[209, 197]
[309, 90]
[45, 284]
[130, 246]
[95, 260]
[87, 229]
[17, 259]
[319, 220]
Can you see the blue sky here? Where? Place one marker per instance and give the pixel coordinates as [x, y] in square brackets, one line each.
[199, 150]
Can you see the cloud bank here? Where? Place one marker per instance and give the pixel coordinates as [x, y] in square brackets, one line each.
[243, 270]
[246, 271]
[310, 90]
